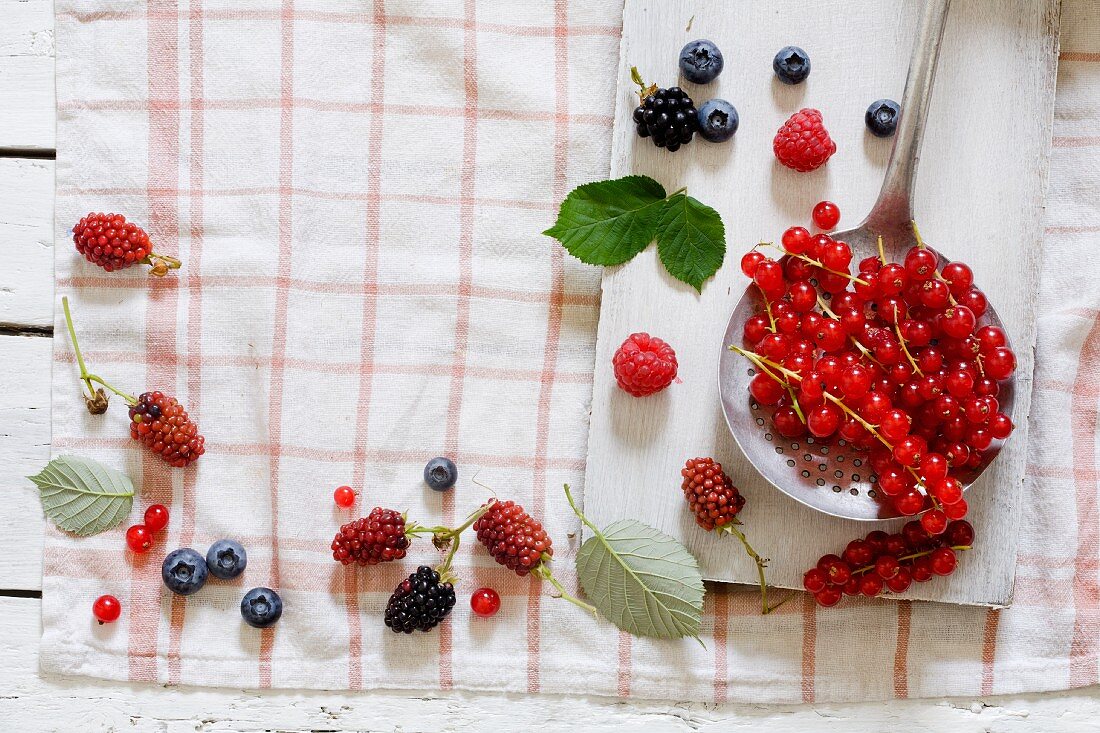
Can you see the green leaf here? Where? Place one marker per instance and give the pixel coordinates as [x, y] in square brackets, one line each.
[642, 580]
[691, 240]
[82, 496]
[608, 222]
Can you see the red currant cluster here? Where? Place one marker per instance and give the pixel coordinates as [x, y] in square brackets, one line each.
[892, 360]
[888, 562]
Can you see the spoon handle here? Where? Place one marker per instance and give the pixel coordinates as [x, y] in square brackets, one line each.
[894, 205]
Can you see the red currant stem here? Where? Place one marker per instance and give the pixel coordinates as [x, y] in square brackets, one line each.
[85, 377]
[913, 556]
[764, 362]
[854, 415]
[817, 263]
[881, 251]
[542, 570]
[916, 233]
[760, 564]
[755, 359]
[904, 348]
[981, 367]
[768, 310]
[862, 349]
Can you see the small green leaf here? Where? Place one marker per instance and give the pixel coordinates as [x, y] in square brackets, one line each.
[608, 222]
[82, 496]
[642, 580]
[691, 240]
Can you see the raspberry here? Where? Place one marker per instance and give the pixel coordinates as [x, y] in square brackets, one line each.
[162, 425]
[644, 365]
[803, 143]
[714, 499]
[378, 537]
[513, 537]
[111, 242]
[419, 602]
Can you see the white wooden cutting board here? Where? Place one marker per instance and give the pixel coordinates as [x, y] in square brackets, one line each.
[978, 198]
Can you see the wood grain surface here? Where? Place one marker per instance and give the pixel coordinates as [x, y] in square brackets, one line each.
[978, 198]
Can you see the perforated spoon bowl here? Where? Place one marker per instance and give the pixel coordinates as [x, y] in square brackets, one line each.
[832, 477]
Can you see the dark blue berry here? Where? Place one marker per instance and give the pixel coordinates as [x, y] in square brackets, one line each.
[701, 62]
[440, 474]
[261, 607]
[791, 65]
[882, 117]
[184, 571]
[226, 559]
[717, 120]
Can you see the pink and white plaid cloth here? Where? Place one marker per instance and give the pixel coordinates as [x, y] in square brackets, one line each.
[357, 190]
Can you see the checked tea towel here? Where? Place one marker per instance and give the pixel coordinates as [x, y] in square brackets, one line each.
[357, 191]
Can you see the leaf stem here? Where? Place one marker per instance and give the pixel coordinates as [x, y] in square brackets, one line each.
[85, 377]
[542, 570]
[760, 565]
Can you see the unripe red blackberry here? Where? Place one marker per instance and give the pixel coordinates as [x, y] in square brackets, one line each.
[378, 537]
[111, 242]
[513, 537]
[419, 602]
[163, 426]
[713, 498]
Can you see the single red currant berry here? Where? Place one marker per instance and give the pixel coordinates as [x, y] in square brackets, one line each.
[827, 597]
[916, 538]
[870, 585]
[106, 609]
[858, 553]
[837, 570]
[895, 545]
[900, 582]
[851, 588]
[975, 300]
[892, 279]
[948, 490]
[139, 538]
[894, 425]
[960, 533]
[958, 321]
[826, 215]
[788, 423]
[921, 263]
[877, 540]
[934, 294]
[933, 468]
[803, 296]
[909, 503]
[943, 561]
[999, 363]
[957, 510]
[156, 517]
[922, 569]
[1000, 426]
[749, 262]
[990, 337]
[485, 601]
[887, 566]
[796, 240]
[344, 497]
[959, 277]
[756, 327]
[765, 390]
[823, 420]
[934, 522]
[910, 450]
[768, 276]
[815, 580]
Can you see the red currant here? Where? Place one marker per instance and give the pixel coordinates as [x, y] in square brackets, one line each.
[934, 522]
[837, 256]
[870, 585]
[858, 553]
[823, 420]
[756, 327]
[990, 337]
[106, 609]
[957, 510]
[836, 569]
[344, 497]
[749, 262]
[975, 300]
[768, 276]
[788, 423]
[815, 580]
[922, 569]
[887, 566]
[803, 296]
[943, 561]
[826, 215]
[485, 601]
[894, 425]
[909, 503]
[958, 321]
[900, 582]
[910, 450]
[921, 263]
[959, 277]
[960, 533]
[139, 538]
[829, 596]
[156, 517]
[999, 363]
[933, 468]
[766, 390]
[1000, 426]
[796, 240]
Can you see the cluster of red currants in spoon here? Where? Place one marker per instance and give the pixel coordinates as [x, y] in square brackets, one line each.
[893, 359]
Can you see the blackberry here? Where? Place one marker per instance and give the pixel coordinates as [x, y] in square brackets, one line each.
[419, 602]
[378, 537]
[666, 116]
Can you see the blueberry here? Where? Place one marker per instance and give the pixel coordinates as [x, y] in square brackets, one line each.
[184, 571]
[717, 120]
[440, 474]
[882, 117]
[226, 559]
[261, 607]
[791, 65]
[701, 62]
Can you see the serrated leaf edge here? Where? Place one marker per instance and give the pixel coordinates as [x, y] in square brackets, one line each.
[662, 225]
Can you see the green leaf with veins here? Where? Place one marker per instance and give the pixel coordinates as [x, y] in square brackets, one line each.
[609, 222]
[691, 240]
[82, 496]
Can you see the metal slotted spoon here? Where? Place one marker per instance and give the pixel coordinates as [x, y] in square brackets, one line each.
[829, 475]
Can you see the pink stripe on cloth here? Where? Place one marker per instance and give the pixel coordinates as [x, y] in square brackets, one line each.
[989, 650]
[1086, 587]
[901, 650]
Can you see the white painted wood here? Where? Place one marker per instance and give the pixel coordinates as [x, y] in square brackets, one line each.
[32, 703]
[26, 236]
[26, 74]
[978, 198]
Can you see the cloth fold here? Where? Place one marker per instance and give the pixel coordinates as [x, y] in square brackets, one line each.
[357, 192]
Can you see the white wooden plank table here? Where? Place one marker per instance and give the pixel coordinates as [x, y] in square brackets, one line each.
[29, 702]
